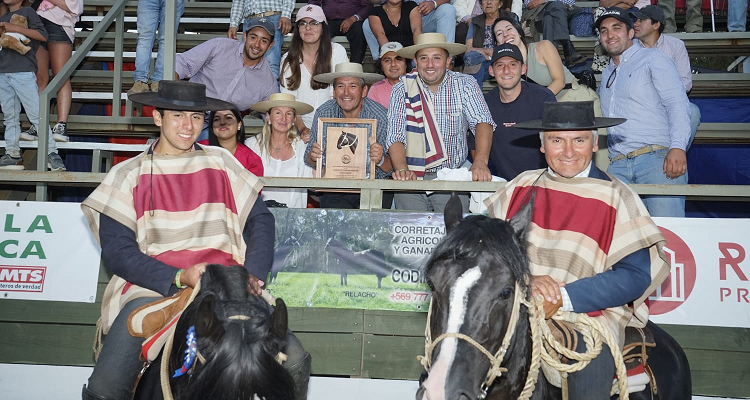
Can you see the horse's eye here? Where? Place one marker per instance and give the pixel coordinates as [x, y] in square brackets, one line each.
[507, 292]
[429, 283]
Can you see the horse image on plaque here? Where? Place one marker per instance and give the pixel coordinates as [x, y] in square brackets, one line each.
[345, 143]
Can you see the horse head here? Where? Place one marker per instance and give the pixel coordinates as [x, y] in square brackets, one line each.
[347, 140]
[474, 274]
[237, 339]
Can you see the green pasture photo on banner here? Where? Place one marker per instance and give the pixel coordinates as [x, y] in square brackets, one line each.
[353, 259]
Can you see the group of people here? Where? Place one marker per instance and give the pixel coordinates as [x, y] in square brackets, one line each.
[49, 25]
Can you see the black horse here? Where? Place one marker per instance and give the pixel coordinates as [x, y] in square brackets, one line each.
[281, 254]
[473, 274]
[370, 261]
[238, 338]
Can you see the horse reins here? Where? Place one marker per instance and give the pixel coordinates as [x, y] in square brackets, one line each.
[496, 370]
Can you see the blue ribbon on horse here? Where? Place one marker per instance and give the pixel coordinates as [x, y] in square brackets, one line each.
[190, 353]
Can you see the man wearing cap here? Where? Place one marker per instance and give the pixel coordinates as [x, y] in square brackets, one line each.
[649, 26]
[345, 18]
[277, 12]
[140, 215]
[350, 100]
[429, 115]
[643, 85]
[393, 67]
[596, 254]
[513, 150]
[233, 71]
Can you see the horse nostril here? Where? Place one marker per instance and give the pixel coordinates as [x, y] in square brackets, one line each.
[464, 397]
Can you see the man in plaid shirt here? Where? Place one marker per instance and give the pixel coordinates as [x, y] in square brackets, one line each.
[279, 12]
[454, 104]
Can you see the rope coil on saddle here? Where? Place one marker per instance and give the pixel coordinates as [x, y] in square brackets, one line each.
[544, 345]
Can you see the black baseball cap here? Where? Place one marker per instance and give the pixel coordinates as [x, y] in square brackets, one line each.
[506, 50]
[263, 23]
[650, 12]
[614, 12]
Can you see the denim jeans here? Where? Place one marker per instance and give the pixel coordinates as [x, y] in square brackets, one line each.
[18, 88]
[649, 169]
[737, 15]
[118, 365]
[151, 16]
[472, 58]
[442, 20]
[695, 120]
[273, 55]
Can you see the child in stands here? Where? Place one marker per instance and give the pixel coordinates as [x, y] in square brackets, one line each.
[18, 86]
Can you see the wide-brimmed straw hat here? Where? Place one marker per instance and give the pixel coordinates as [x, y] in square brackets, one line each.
[431, 40]
[182, 96]
[282, 100]
[348, 70]
[569, 116]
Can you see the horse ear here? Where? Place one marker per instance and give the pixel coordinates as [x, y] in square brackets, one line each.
[207, 324]
[279, 320]
[453, 213]
[521, 221]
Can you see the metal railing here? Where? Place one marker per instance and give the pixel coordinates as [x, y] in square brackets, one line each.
[116, 14]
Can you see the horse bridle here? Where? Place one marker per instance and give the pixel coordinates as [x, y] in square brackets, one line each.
[496, 370]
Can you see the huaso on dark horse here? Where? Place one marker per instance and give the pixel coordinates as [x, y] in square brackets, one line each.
[237, 335]
[473, 274]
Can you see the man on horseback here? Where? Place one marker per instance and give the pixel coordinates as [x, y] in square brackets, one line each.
[592, 246]
[161, 217]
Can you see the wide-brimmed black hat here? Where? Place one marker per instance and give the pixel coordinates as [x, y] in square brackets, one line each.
[182, 96]
[569, 116]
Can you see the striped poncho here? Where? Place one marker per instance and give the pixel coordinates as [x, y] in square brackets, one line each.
[184, 209]
[582, 227]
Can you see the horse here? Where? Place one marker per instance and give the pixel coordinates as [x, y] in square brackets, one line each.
[475, 274]
[237, 339]
[370, 260]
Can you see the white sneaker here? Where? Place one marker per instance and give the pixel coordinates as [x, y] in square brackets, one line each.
[60, 132]
[30, 134]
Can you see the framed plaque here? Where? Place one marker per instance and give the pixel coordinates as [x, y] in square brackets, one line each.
[344, 142]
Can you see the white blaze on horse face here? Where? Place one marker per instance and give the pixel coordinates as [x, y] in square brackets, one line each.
[435, 383]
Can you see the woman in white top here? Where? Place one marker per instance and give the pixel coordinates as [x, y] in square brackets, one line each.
[310, 53]
[280, 147]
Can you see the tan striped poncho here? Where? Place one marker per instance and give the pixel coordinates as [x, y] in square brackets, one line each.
[184, 209]
[581, 227]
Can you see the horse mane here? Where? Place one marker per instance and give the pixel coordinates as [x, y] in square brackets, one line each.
[233, 371]
[477, 236]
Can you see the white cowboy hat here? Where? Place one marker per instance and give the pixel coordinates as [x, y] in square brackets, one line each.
[431, 40]
[347, 70]
[282, 100]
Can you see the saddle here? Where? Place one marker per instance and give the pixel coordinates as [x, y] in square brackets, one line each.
[637, 340]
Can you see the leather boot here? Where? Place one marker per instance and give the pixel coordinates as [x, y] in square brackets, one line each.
[86, 394]
[572, 56]
[301, 375]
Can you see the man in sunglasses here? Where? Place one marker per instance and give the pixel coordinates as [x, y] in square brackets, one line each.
[643, 85]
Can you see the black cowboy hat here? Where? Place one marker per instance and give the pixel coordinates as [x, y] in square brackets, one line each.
[182, 96]
[567, 116]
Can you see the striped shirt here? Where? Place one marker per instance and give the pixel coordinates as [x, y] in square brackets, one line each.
[459, 106]
[219, 64]
[370, 110]
[244, 8]
[648, 92]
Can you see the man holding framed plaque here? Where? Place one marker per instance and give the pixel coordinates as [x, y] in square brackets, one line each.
[348, 134]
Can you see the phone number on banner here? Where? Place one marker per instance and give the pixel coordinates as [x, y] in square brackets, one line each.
[409, 297]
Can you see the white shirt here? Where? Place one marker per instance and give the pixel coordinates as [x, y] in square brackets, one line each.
[293, 167]
[305, 93]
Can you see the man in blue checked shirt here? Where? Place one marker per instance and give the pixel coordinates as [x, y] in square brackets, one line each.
[643, 85]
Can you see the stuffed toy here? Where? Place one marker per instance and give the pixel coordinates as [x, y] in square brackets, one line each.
[16, 41]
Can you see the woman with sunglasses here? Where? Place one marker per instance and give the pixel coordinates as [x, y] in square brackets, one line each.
[310, 53]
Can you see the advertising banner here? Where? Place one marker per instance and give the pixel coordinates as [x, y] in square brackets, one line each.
[47, 252]
[373, 260]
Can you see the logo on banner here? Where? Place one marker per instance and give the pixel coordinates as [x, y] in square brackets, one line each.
[22, 279]
[681, 279]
